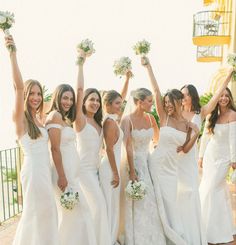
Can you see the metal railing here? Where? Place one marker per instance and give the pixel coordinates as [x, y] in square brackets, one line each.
[10, 188]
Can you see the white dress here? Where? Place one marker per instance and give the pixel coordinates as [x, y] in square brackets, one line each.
[112, 195]
[215, 197]
[163, 166]
[75, 226]
[38, 223]
[142, 220]
[88, 145]
[188, 195]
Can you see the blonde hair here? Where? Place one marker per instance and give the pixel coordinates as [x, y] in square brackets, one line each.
[140, 94]
[32, 128]
[108, 97]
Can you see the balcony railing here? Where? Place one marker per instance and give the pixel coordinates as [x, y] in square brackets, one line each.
[10, 188]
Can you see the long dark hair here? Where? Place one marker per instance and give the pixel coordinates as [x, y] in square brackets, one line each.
[98, 114]
[174, 95]
[56, 102]
[193, 93]
[215, 113]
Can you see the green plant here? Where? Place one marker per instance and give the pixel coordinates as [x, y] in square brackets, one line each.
[205, 98]
[9, 174]
[46, 96]
[154, 113]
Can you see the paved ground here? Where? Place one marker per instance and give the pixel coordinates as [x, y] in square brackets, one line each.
[7, 230]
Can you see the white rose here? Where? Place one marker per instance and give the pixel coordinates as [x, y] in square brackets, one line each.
[9, 22]
[2, 19]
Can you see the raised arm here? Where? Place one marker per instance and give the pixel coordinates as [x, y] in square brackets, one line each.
[209, 107]
[109, 132]
[18, 115]
[156, 90]
[126, 85]
[80, 118]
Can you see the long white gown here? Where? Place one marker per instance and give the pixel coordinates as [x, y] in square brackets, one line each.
[38, 223]
[75, 226]
[112, 195]
[88, 145]
[188, 195]
[215, 197]
[163, 165]
[142, 220]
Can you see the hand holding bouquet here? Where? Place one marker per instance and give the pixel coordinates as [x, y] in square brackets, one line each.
[69, 199]
[232, 61]
[123, 66]
[6, 21]
[136, 190]
[86, 47]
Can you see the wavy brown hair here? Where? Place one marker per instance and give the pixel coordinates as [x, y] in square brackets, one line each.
[193, 93]
[174, 95]
[109, 96]
[215, 113]
[56, 102]
[98, 114]
[32, 128]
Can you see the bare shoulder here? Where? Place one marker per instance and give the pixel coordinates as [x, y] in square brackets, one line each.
[232, 116]
[54, 117]
[109, 122]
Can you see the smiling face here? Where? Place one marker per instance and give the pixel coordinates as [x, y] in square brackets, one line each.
[187, 100]
[147, 103]
[115, 106]
[35, 97]
[224, 99]
[67, 100]
[169, 107]
[92, 103]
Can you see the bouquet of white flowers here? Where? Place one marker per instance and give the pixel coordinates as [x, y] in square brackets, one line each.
[232, 61]
[136, 190]
[142, 48]
[69, 199]
[122, 66]
[233, 177]
[6, 21]
[87, 47]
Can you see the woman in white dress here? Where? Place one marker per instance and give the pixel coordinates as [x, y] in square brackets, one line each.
[109, 171]
[142, 221]
[88, 125]
[38, 223]
[175, 136]
[219, 155]
[188, 194]
[75, 226]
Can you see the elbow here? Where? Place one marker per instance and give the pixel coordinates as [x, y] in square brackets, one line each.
[185, 150]
[55, 150]
[80, 89]
[109, 149]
